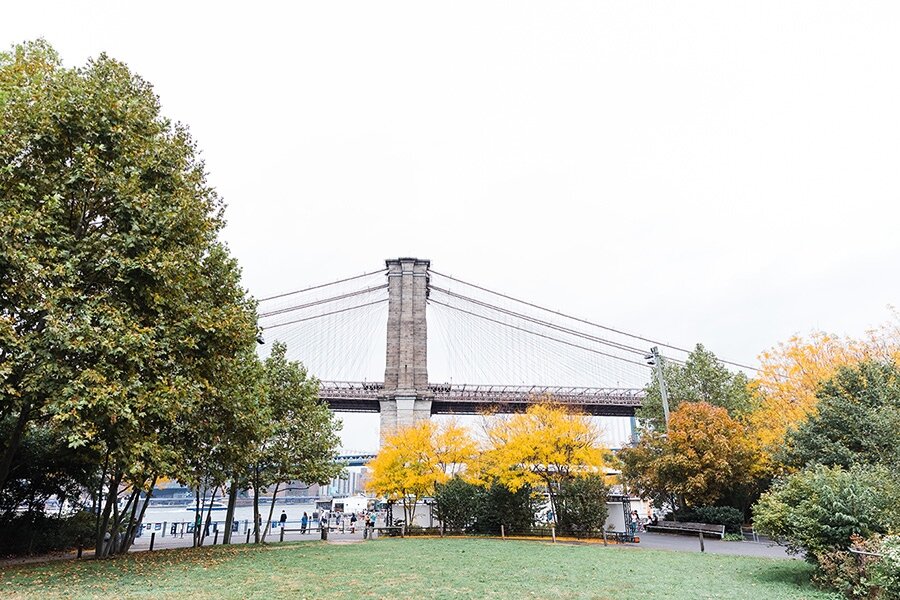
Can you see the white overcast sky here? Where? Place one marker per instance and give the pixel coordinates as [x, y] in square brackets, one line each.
[721, 172]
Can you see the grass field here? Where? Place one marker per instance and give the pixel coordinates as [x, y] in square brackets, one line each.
[416, 568]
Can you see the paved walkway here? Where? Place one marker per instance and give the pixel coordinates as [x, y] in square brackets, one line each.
[689, 543]
[658, 541]
[168, 541]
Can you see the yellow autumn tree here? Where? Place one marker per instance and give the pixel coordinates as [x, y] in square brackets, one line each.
[543, 447]
[416, 458]
[790, 375]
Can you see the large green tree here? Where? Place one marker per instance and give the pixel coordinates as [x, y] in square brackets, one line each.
[857, 421]
[702, 378]
[117, 302]
[217, 440]
[302, 440]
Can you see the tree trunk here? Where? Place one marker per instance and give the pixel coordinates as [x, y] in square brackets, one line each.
[128, 513]
[412, 511]
[256, 504]
[554, 504]
[114, 530]
[212, 499]
[98, 500]
[198, 518]
[229, 513]
[13, 444]
[271, 510]
[133, 526]
[101, 548]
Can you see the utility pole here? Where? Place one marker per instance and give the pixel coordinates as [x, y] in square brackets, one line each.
[656, 360]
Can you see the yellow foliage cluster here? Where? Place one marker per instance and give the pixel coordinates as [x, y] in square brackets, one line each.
[540, 447]
[417, 458]
[790, 375]
[543, 446]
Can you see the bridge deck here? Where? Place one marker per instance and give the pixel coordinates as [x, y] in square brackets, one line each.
[357, 396]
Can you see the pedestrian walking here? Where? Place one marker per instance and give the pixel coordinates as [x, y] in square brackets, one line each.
[352, 522]
[283, 518]
[304, 521]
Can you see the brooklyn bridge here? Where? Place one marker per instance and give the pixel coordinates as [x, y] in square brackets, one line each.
[499, 353]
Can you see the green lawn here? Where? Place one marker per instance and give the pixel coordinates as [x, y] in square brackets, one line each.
[416, 568]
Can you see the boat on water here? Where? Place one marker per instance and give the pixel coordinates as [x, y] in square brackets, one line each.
[207, 506]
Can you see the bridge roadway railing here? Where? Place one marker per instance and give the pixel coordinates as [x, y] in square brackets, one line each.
[359, 396]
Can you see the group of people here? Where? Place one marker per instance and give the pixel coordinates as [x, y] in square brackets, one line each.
[335, 520]
[638, 524]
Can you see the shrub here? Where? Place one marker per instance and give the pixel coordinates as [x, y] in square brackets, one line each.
[581, 504]
[865, 576]
[456, 503]
[818, 510]
[886, 571]
[38, 533]
[497, 505]
[728, 516]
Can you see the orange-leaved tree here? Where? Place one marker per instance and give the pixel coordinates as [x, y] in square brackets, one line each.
[543, 447]
[702, 457]
[416, 458]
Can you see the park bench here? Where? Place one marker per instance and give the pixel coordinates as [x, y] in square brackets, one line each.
[684, 527]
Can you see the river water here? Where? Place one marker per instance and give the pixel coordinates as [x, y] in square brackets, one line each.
[157, 516]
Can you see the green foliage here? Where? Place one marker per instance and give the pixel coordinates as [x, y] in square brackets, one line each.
[728, 516]
[499, 506]
[701, 379]
[818, 510]
[117, 299]
[462, 505]
[35, 532]
[44, 465]
[858, 420]
[886, 571]
[456, 503]
[581, 503]
[302, 440]
[124, 329]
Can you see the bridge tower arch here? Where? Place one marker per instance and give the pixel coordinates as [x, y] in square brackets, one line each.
[405, 397]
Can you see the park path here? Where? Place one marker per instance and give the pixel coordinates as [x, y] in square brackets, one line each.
[688, 543]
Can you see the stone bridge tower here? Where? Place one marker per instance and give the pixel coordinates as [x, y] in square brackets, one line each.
[406, 397]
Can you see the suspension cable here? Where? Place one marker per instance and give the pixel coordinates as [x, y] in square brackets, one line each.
[316, 287]
[586, 322]
[522, 329]
[280, 311]
[334, 312]
[574, 332]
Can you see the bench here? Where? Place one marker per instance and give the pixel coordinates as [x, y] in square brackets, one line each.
[684, 527]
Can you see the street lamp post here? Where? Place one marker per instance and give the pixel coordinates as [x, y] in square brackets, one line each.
[655, 360]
